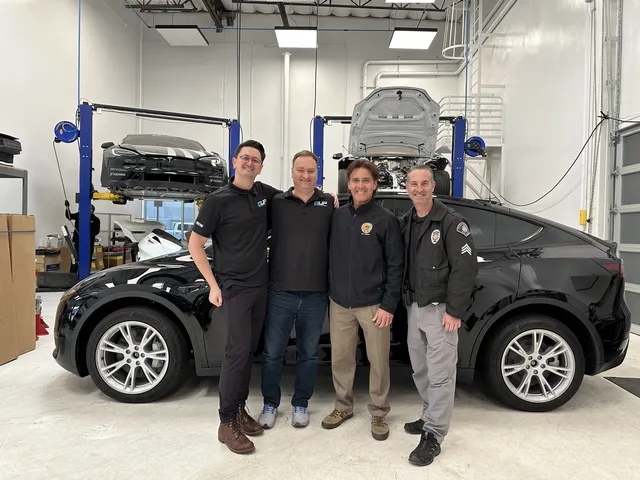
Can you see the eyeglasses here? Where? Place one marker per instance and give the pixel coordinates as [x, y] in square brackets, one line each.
[247, 158]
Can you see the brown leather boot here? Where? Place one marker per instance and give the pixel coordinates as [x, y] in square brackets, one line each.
[248, 424]
[230, 433]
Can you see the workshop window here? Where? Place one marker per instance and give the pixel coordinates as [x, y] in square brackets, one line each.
[177, 216]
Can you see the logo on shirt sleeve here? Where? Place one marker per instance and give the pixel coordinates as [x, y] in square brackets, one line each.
[463, 229]
[320, 203]
[366, 228]
[262, 202]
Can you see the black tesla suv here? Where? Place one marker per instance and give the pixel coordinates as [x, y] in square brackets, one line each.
[548, 308]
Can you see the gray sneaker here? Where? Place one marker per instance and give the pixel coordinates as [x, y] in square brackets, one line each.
[268, 416]
[300, 417]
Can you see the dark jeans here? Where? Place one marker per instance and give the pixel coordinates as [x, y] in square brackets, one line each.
[307, 310]
[244, 309]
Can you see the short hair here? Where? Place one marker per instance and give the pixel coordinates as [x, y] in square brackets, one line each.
[252, 144]
[305, 153]
[364, 163]
[422, 166]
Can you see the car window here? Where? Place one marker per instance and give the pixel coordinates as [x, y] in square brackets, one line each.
[481, 222]
[512, 230]
[397, 206]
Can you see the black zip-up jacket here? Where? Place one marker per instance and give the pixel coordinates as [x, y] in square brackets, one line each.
[366, 257]
[447, 260]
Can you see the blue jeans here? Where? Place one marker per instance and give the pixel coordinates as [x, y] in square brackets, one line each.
[284, 308]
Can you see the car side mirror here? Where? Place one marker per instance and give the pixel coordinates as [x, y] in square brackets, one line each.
[107, 145]
[337, 156]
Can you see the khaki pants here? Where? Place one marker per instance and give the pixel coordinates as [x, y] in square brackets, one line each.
[344, 338]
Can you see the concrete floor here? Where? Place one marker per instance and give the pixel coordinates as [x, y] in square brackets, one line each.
[54, 425]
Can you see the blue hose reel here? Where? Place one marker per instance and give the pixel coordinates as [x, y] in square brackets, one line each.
[474, 147]
[66, 132]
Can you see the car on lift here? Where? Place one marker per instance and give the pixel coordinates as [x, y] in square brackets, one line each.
[548, 308]
[396, 128]
[164, 166]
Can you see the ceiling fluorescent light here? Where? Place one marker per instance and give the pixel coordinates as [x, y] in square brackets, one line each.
[182, 35]
[297, 37]
[412, 38]
[409, 1]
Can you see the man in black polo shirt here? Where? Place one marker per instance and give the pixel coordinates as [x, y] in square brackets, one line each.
[235, 217]
[298, 261]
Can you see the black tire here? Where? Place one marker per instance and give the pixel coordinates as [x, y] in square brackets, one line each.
[500, 341]
[342, 181]
[177, 347]
[443, 182]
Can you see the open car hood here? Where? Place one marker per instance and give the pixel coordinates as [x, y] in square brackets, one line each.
[395, 121]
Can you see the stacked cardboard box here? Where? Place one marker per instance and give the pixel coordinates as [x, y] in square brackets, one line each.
[17, 286]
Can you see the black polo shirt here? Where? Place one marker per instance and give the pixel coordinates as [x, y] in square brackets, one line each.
[236, 220]
[299, 252]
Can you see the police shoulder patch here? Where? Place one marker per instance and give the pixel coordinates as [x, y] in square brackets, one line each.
[463, 229]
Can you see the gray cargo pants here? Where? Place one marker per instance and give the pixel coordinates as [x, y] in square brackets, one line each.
[434, 357]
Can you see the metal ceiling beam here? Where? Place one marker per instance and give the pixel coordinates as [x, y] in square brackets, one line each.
[218, 13]
[431, 7]
[283, 14]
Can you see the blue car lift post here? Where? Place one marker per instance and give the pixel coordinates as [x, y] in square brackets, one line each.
[86, 162]
[457, 157]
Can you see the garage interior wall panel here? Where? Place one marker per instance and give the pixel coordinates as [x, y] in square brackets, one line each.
[38, 88]
[540, 60]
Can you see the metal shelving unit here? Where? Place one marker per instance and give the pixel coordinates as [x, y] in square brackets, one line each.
[13, 172]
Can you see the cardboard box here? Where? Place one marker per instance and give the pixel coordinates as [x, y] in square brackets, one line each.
[8, 335]
[18, 286]
[48, 263]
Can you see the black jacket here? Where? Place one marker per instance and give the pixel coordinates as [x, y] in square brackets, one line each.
[366, 257]
[447, 260]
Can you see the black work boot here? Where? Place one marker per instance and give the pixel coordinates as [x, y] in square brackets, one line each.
[426, 451]
[414, 428]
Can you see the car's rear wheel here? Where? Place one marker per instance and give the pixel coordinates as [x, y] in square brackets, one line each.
[534, 363]
[137, 355]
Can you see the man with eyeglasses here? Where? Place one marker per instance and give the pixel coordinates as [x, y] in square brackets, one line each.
[235, 217]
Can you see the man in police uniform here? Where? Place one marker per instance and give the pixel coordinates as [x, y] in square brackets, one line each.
[235, 217]
[438, 282]
[298, 284]
[365, 281]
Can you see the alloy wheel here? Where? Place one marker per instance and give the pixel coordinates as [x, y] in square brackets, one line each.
[538, 366]
[132, 357]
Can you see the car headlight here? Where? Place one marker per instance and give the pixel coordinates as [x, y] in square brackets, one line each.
[122, 152]
[215, 161]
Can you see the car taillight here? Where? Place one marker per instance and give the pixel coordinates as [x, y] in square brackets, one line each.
[611, 265]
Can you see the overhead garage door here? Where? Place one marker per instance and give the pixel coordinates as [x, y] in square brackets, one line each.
[626, 214]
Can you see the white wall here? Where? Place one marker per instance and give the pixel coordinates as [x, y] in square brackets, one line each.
[630, 100]
[540, 60]
[38, 88]
[203, 80]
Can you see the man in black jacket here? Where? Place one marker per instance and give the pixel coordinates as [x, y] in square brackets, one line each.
[365, 282]
[438, 282]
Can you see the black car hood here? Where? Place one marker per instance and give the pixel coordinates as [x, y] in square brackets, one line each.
[167, 151]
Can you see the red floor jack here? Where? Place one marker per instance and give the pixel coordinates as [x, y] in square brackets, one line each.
[41, 326]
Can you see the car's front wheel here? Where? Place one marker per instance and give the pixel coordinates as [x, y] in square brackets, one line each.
[137, 355]
[534, 363]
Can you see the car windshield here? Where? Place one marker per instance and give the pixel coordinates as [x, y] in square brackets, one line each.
[162, 141]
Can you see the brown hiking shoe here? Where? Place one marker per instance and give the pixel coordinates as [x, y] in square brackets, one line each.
[230, 433]
[248, 424]
[335, 419]
[379, 428]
